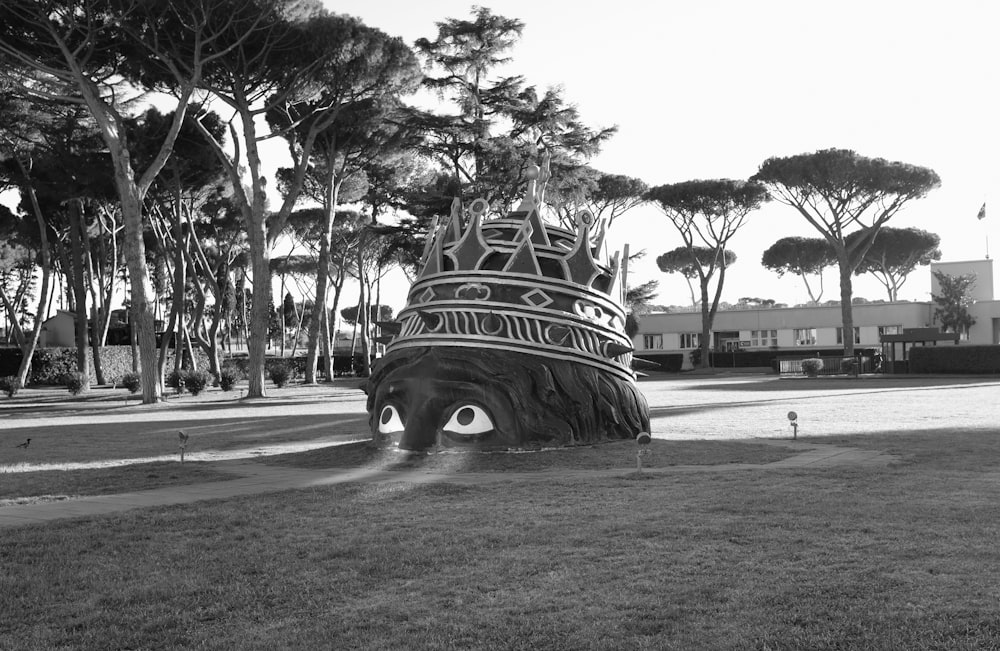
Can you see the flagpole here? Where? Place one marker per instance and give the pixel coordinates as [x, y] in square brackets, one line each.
[986, 233]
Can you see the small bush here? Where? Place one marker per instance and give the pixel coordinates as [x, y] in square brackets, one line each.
[227, 379]
[196, 381]
[848, 365]
[10, 385]
[280, 375]
[76, 382]
[812, 366]
[132, 382]
[175, 380]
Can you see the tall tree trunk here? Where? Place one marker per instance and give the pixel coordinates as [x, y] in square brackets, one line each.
[46, 292]
[281, 315]
[31, 341]
[260, 264]
[96, 304]
[143, 302]
[189, 350]
[846, 309]
[319, 305]
[813, 299]
[133, 342]
[706, 325]
[330, 329]
[79, 291]
[179, 277]
[364, 369]
[14, 330]
[168, 336]
[328, 352]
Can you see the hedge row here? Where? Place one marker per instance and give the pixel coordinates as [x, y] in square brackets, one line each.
[342, 364]
[955, 359]
[50, 365]
[669, 362]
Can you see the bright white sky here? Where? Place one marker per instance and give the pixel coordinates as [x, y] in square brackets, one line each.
[711, 89]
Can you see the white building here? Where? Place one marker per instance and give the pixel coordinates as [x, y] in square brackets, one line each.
[809, 330]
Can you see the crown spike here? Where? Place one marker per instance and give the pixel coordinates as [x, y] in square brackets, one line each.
[524, 259]
[579, 264]
[391, 327]
[614, 284]
[429, 240]
[473, 249]
[434, 258]
[538, 233]
[454, 226]
[614, 349]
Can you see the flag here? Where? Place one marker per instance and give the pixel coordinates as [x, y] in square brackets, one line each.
[982, 212]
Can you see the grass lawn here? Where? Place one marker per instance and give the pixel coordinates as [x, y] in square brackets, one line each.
[903, 557]
[614, 454]
[60, 484]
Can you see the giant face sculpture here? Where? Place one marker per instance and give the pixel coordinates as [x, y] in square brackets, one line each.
[453, 397]
[513, 336]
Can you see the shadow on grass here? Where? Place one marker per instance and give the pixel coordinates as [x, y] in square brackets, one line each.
[601, 456]
[74, 406]
[968, 449]
[53, 485]
[138, 438]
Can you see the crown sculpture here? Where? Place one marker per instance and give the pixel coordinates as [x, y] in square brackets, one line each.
[513, 336]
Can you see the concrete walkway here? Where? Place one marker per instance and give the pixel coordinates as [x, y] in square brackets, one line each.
[255, 478]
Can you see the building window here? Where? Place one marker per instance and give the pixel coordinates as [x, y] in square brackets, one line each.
[890, 330]
[857, 335]
[652, 342]
[805, 336]
[690, 340]
[763, 337]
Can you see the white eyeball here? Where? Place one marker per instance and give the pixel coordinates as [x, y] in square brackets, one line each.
[468, 420]
[389, 420]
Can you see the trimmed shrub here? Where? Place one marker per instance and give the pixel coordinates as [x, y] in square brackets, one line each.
[175, 380]
[132, 382]
[10, 385]
[227, 379]
[51, 365]
[955, 359]
[76, 382]
[848, 365]
[196, 381]
[280, 374]
[812, 366]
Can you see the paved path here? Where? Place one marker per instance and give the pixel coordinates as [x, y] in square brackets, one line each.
[255, 478]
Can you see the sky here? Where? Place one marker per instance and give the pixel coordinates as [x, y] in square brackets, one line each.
[711, 89]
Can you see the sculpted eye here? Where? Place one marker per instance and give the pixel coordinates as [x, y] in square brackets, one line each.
[469, 419]
[389, 420]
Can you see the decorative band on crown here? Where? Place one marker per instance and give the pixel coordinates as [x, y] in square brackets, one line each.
[517, 284]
